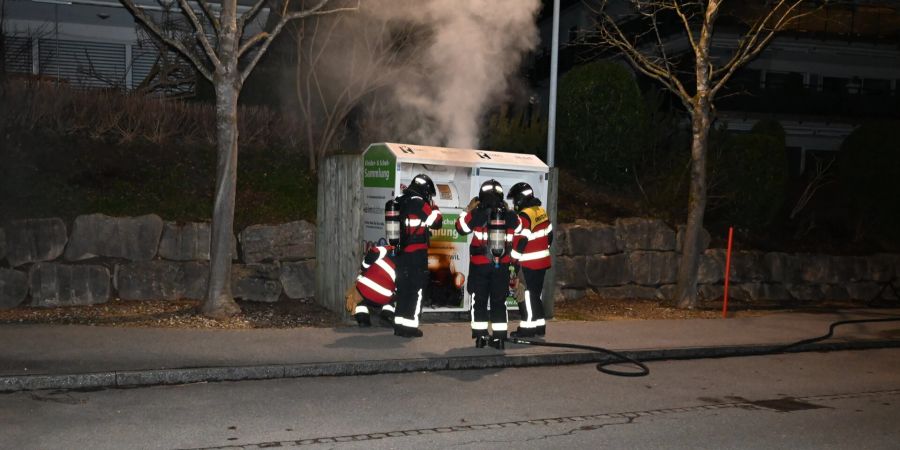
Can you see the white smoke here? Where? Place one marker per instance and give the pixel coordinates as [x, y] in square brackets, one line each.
[476, 47]
[466, 54]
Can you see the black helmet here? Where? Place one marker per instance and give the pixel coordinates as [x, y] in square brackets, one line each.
[491, 193]
[421, 184]
[519, 193]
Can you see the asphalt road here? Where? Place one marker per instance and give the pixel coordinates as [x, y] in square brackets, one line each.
[809, 400]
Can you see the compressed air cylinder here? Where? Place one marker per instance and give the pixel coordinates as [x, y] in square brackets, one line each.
[497, 234]
[392, 222]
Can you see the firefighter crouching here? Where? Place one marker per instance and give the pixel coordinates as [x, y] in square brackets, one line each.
[492, 226]
[376, 284]
[418, 214]
[531, 251]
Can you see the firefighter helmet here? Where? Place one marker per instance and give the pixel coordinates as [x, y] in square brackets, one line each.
[519, 193]
[422, 185]
[491, 193]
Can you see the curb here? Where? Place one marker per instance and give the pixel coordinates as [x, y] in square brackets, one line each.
[155, 377]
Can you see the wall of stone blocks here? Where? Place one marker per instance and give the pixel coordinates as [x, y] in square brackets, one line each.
[637, 258]
[47, 263]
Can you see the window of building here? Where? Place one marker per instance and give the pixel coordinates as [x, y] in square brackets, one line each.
[854, 86]
[784, 81]
[17, 54]
[834, 85]
[745, 80]
[813, 83]
[875, 86]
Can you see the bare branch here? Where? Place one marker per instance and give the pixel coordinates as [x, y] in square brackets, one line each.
[154, 28]
[612, 35]
[318, 11]
[285, 18]
[210, 15]
[685, 22]
[660, 44]
[754, 45]
[251, 13]
[246, 46]
[200, 33]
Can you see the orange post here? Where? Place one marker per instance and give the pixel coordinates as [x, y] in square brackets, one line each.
[727, 271]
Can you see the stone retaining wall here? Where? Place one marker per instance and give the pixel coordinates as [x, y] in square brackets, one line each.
[638, 259]
[145, 258]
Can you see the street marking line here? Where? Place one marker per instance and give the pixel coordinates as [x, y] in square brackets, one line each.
[630, 415]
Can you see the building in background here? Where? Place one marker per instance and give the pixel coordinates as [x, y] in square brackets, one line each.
[820, 79]
[98, 44]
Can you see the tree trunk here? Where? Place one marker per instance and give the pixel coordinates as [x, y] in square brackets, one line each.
[686, 289]
[701, 109]
[219, 302]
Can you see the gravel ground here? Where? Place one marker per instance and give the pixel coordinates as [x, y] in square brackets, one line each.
[178, 314]
[306, 313]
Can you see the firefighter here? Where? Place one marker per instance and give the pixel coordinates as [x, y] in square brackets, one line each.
[531, 252]
[492, 225]
[418, 213]
[376, 284]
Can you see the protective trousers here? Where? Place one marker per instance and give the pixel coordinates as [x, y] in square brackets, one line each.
[412, 278]
[488, 285]
[531, 309]
[367, 306]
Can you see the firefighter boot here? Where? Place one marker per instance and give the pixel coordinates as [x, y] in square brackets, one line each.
[387, 317]
[362, 319]
[523, 332]
[481, 338]
[407, 332]
[498, 340]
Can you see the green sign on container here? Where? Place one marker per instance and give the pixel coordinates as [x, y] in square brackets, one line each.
[379, 167]
[448, 232]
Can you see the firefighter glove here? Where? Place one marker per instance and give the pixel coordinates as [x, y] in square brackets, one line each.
[472, 204]
[352, 297]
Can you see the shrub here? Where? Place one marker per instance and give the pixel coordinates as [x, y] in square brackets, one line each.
[602, 123]
[748, 175]
[516, 133]
[868, 173]
[121, 118]
[68, 152]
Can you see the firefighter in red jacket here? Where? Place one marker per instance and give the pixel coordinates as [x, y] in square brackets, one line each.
[418, 214]
[376, 284]
[531, 252]
[488, 264]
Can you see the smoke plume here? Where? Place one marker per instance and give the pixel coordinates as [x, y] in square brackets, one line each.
[434, 66]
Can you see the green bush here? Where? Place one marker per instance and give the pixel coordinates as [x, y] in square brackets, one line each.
[602, 123]
[516, 133]
[748, 175]
[67, 152]
[869, 174]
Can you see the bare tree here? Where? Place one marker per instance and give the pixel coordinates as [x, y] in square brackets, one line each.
[170, 74]
[329, 89]
[227, 58]
[652, 54]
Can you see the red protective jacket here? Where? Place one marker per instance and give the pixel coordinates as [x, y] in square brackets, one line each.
[476, 223]
[377, 282]
[531, 244]
[416, 217]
